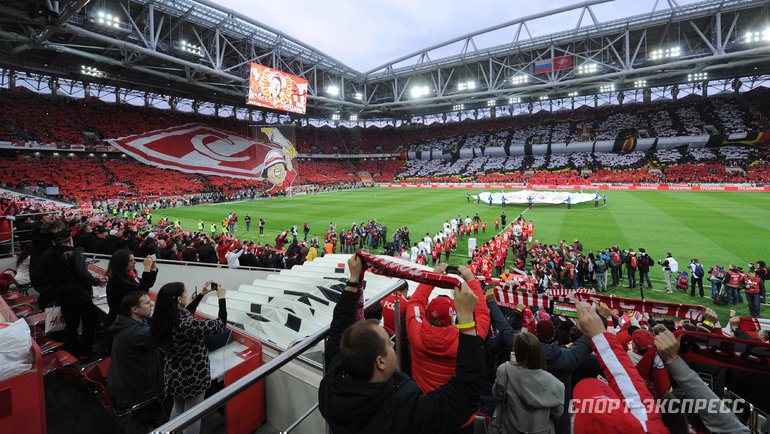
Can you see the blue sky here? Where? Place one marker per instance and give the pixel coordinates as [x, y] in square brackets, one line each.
[366, 34]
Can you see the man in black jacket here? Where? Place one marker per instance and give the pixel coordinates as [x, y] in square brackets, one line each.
[363, 392]
[136, 372]
[74, 291]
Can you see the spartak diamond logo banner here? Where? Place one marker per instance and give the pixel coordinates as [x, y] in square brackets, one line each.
[197, 148]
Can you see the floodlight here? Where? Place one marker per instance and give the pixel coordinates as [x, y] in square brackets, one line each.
[514, 100]
[571, 94]
[544, 98]
[607, 88]
[588, 68]
[520, 79]
[698, 76]
[491, 103]
[420, 91]
[358, 96]
[333, 90]
[640, 84]
[466, 85]
[757, 36]
[335, 116]
[353, 118]
[458, 107]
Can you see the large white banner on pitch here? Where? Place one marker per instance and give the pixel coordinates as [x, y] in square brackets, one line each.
[523, 196]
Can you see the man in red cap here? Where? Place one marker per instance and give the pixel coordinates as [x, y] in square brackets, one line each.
[641, 341]
[432, 337]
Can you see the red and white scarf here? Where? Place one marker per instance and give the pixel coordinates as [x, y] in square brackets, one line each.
[754, 324]
[385, 266]
[688, 311]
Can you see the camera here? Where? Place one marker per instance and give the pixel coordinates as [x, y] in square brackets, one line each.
[214, 286]
[452, 269]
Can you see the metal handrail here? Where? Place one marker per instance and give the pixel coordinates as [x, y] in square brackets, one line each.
[215, 401]
[300, 419]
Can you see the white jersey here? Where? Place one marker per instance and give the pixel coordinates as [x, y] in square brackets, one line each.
[673, 265]
[468, 221]
[415, 251]
[454, 225]
[405, 255]
[446, 228]
[428, 243]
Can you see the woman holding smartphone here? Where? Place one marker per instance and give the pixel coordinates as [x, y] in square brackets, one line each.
[122, 279]
[180, 336]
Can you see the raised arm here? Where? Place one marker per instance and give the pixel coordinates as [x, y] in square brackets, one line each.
[721, 420]
[345, 310]
[620, 373]
[449, 406]
[481, 312]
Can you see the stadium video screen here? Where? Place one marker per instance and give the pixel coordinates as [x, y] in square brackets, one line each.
[275, 89]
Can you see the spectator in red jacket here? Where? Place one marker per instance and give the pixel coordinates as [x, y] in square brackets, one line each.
[222, 249]
[432, 335]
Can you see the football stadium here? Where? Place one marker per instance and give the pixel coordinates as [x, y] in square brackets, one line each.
[554, 222]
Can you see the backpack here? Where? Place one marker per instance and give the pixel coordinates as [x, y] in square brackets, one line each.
[720, 299]
[682, 280]
[719, 273]
[698, 272]
[600, 266]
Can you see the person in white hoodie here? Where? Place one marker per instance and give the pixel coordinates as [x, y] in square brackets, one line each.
[232, 256]
[528, 397]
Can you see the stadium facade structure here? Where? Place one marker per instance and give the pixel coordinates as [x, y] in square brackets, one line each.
[138, 57]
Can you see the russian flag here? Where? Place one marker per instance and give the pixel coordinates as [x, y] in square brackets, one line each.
[543, 66]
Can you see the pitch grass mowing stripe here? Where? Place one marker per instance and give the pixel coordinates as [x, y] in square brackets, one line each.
[658, 221]
[709, 234]
[752, 211]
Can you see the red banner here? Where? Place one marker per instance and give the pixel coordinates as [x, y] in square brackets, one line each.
[196, 148]
[277, 90]
[563, 62]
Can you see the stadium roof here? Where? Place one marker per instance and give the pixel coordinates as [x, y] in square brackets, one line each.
[199, 50]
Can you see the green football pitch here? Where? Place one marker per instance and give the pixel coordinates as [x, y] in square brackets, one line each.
[715, 227]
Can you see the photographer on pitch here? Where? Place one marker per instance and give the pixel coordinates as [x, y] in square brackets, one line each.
[670, 267]
[696, 276]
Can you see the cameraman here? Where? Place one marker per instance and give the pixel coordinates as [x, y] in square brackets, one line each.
[670, 267]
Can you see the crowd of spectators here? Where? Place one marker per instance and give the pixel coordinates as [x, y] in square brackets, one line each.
[90, 121]
[520, 365]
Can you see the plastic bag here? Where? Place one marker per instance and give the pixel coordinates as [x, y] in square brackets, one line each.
[15, 349]
[54, 320]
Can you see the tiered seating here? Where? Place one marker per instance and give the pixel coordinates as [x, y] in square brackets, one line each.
[287, 306]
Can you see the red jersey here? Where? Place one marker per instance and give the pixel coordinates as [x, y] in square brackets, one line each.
[751, 284]
[497, 222]
[483, 225]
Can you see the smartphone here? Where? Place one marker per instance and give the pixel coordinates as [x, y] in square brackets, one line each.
[214, 286]
[452, 269]
[154, 258]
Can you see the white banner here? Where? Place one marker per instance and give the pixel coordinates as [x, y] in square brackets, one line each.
[523, 196]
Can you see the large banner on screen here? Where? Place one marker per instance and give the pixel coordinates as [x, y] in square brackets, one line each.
[196, 148]
[276, 89]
